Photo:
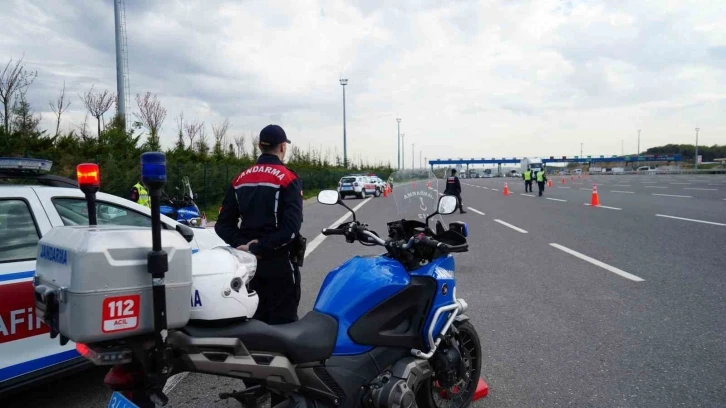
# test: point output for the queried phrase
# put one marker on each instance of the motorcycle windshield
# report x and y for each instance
(416, 193)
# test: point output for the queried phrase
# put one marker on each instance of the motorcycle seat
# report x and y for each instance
(309, 339)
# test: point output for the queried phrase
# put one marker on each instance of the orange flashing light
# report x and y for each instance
(88, 175)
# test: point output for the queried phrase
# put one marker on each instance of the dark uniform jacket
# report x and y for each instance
(268, 199)
(452, 185)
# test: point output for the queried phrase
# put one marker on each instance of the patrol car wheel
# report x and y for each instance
(362, 194)
(378, 192)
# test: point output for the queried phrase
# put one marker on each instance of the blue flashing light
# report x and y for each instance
(466, 230)
(24, 164)
(153, 167)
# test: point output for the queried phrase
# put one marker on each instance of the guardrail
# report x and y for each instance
(657, 172)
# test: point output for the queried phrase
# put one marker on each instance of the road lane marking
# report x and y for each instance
(319, 239)
(495, 189)
(622, 192)
(563, 187)
(586, 189)
(475, 210)
(681, 183)
(511, 226)
(691, 219)
(701, 189)
(621, 185)
(672, 195)
(604, 206)
(655, 187)
(556, 199)
(649, 182)
(487, 188)
(526, 195)
(595, 262)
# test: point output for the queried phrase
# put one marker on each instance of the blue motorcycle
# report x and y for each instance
(385, 331)
(183, 210)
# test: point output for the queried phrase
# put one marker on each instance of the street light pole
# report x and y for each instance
(638, 152)
(398, 146)
(695, 162)
(413, 158)
(344, 82)
(420, 159)
(581, 150)
(622, 147)
(403, 151)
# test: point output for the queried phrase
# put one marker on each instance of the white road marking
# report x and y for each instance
(622, 192)
(586, 189)
(690, 219)
(556, 199)
(486, 187)
(527, 195)
(511, 226)
(495, 189)
(681, 183)
(621, 185)
(702, 189)
(475, 210)
(605, 206)
(655, 187)
(319, 239)
(563, 187)
(173, 381)
(649, 182)
(672, 195)
(595, 262)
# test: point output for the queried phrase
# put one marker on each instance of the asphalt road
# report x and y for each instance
(620, 305)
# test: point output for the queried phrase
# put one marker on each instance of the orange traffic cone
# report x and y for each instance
(595, 201)
(204, 219)
(578, 177)
(549, 183)
(563, 180)
(428, 184)
(506, 190)
(385, 192)
(414, 184)
(572, 178)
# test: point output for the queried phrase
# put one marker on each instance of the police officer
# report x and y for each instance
(453, 187)
(527, 176)
(140, 196)
(541, 179)
(268, 199)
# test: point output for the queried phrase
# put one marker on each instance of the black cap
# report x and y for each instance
(273, 135)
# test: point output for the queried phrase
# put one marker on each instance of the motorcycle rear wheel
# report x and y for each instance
(430, 394)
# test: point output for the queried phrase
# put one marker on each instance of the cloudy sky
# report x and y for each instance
(468, 78)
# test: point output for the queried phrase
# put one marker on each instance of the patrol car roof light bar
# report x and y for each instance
(89, 179)
(153, 177)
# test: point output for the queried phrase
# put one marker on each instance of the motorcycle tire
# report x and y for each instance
(458, 396)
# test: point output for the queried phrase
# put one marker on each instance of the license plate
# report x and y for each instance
(119, 401)
(347, 188)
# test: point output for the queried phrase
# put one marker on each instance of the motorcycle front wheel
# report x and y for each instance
(459, 395)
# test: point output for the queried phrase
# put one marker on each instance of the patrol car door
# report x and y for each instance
(25, 346)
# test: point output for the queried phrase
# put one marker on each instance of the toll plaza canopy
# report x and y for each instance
(562, 159)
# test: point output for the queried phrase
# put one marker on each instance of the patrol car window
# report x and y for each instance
(18, 233)
(348, 180)
(73, 211)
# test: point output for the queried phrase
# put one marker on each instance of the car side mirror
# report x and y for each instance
(185, 232)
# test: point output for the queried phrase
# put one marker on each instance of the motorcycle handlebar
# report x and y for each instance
(332, 231)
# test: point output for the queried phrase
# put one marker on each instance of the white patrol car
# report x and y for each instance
(357, 185)
(380, 184)
(27, 212)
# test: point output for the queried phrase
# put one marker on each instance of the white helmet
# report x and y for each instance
(219, 284)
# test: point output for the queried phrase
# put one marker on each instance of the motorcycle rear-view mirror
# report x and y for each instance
(331, 197)
(447, 204)
(185, 232)
(328, 197)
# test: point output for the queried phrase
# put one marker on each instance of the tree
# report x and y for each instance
(151, 116)
(25, 122)
(14, 78)
(255, 147)
(192, 130)
(59, 107)
(202, 144)
(98, 104)
(239, 141)
(220, 137)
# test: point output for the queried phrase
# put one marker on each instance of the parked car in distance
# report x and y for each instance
(358, 186)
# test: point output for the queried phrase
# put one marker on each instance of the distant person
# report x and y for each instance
(541, 179)
(527, 177)
(453, 187)
(140, 196)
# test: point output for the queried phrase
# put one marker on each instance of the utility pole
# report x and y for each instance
(120, 86)
(403, 151)
(398, 145)
(695, 162)
(420, 160)
(622, 147)
(581, 150)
